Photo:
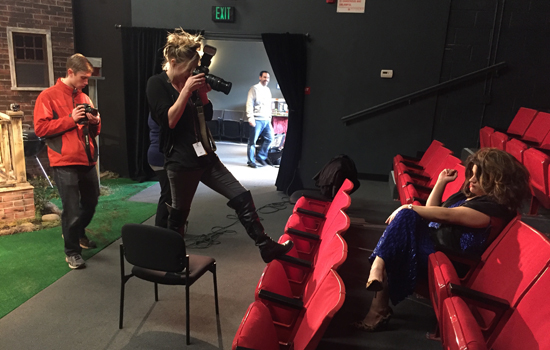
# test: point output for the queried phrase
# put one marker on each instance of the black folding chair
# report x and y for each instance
(158, 255)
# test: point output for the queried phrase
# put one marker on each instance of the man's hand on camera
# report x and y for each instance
(252, 122)
(94, 120)
(78, 113)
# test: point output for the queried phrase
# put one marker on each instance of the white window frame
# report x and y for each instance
(49, 55)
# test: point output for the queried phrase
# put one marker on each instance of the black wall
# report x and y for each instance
(425, 42)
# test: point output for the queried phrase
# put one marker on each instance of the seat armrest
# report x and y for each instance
(281, 299)
(409, 158)
(499, 306)
(422, 201)
(412, 165)
(310, 213)
(417, 176)
(303, 234)
(301, 263)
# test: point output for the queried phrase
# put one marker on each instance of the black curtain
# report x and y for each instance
(142, 58)
(287, 54)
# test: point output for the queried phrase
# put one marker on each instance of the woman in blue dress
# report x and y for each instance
(495, 186)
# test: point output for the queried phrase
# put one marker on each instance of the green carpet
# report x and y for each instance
(31, 261)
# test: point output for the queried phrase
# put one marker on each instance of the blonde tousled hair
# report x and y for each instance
(181, 46)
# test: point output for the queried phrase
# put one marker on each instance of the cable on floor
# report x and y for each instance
(208, 239)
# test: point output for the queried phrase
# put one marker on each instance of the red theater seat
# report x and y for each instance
(305, 204)
(516, 148)
(459, 330)
(485, 136)
(506, 270)
(256, 330)
(527, 327)
(521, 121)
(418, 163)
(537, 164)
(539, 128)
(499, 140)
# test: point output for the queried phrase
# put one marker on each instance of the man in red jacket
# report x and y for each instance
(65, 117)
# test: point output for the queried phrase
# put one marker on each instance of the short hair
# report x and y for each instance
(181, 46)
(500, 175)
(262, 72)
(79, 63)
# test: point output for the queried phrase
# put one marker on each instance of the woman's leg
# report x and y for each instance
(161, 219)
(183, 185)
(380, 312)
(222, 181)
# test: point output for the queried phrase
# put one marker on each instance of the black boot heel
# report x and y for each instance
(270, 250)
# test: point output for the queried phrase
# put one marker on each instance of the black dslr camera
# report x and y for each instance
(216, 83)
(87, 109)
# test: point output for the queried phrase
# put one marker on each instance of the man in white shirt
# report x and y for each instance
(258, 113)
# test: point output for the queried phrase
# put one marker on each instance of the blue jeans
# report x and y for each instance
(262, 128)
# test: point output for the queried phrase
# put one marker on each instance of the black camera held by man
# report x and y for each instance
(216, 83)
(87, 109)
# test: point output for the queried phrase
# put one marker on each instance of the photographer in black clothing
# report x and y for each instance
(179, 104)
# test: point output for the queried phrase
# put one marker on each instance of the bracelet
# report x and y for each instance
(410, 206)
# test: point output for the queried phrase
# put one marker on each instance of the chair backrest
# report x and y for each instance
(516, 148)
(256, 330)
(320, 310)
(539, 128)
(439, 156)
(499, 140)
(528, 326)
(512, 264)
(537, 164)
(218, 114)
(450, 162)
(293, 274)
(154, 248)
(456, 185)
(430, 152)
(332, 255)
(274, 279)
(459, 329)
(233, 115)
(338, 223)
(521, 121)
(485, 136)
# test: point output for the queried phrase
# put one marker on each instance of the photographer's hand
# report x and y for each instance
(94, 120)
(78, 113)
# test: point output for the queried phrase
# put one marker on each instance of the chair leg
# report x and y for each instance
(215, 288)
(121, 316)
(187, 327)
(122, 284)
(156, 292)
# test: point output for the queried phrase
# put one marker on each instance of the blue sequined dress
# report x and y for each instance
(406, 244)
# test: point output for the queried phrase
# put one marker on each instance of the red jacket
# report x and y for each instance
(53, 121)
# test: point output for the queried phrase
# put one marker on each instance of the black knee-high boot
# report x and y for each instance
(177, 219)
(246, 211)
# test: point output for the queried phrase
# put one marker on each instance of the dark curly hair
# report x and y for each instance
(500, 176)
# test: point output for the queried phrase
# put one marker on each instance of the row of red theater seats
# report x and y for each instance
(501, 303)
(416, 178)
(528, 140)
(297, 295)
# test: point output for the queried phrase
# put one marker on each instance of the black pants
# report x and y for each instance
(216, 176)
(78, 188)
(161, 219)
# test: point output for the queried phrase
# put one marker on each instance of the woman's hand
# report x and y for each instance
(195, 82)
(392, 216)
(447, 175)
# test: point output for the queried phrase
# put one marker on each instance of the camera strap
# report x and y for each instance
(86, 133)
(205, 136)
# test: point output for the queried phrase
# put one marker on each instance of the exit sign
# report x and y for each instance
(223, 14)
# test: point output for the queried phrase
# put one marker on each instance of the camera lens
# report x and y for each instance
(218, 84)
